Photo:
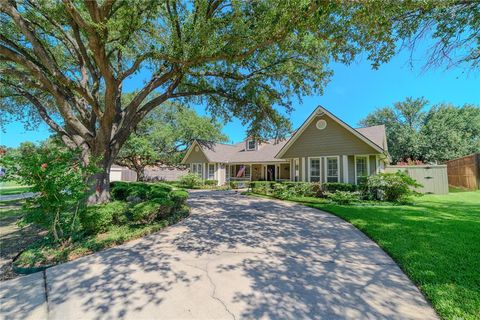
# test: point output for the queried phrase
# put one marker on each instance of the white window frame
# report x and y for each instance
(310, 169)
(254, 144)
(211, 165)
(195, 169)
(326, 168)
(367, 156)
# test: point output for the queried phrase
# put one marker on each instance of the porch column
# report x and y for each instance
(345, 168)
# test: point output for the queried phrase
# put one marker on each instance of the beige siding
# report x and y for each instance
(196, 157)
(333, 140)
(284, 171)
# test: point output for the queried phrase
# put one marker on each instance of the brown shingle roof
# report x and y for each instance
(376, 134)
(231, 153)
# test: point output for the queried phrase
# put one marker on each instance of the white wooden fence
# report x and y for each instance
(433, 177)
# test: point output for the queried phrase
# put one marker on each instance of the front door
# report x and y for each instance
(271, 172)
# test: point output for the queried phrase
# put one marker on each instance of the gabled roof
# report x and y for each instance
(364, 134)
(237, 153)
(272, 150)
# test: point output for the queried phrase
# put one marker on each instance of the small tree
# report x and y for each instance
(163, 136)
(57, 176)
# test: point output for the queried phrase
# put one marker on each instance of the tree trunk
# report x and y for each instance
(140, 174)
(100, 181)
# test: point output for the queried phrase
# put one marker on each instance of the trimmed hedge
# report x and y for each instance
(149, 211)
(179, 197)
(121, 190)
(98, 218)
(339, 186)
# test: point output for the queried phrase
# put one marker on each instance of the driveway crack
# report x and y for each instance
(214, 286)
(45, 288)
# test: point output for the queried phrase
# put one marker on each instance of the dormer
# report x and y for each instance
(251, 145)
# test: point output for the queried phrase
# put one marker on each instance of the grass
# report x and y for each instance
(45, 252)
(436, 241)
(12, 187)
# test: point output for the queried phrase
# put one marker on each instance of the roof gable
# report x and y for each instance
(337, 138)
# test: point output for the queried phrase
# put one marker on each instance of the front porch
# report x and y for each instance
(258, 171)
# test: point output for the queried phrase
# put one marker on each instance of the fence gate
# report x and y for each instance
(433, 178)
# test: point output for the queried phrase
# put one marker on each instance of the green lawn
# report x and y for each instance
(436, 241)
(11, 187)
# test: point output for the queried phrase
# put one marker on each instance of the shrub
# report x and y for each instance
(120, 190)
(159, 190)
(339, 186)
(211, 182)
(98, 218)
(343, 197)
(148, 211)
(302, 189)
(190, 180)
(57, 174)
(281, 191)
(394, 187)
(238, 184)
(262, 187)
(178, 197)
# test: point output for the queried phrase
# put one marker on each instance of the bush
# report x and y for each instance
(57, 175)
(339, 186)
(190, 180)
(238, 184)
(393, 187)
(120, 190)
(125, 191)
(98, 218)
(281, 191)
(262, 187)
(211, 182)
(343, 197)
(148, 211)
(178, 197)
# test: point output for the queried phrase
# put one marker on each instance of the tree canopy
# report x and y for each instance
(68, 62)
(163, 136)
(442, 133)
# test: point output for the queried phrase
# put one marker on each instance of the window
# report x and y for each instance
(315, 170)
(211, 171)
(361, 168)
(197, 168)
(332, 169)
(251, 145)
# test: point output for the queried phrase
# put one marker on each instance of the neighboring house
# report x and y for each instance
(323, 149)
(152, 173)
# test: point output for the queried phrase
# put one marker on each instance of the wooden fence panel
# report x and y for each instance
(464, 172)
(433, 178)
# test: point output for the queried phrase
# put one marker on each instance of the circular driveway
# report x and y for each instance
(238, 257)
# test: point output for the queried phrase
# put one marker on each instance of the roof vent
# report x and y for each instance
(321, 124)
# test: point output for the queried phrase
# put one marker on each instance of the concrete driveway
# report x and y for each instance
(235, 257)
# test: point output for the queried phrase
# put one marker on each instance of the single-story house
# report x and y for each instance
(323, 149)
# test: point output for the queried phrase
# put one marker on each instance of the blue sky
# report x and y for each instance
(352, 93)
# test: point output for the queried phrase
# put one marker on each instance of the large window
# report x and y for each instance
(315, 170)
(332, 169)
(197, 168)
(211, 171)
(361, 166)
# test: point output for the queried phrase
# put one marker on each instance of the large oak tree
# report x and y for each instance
(69, 62)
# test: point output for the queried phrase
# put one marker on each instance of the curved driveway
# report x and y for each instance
(235, 257)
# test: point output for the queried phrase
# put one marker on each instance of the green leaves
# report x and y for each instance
(442, 133)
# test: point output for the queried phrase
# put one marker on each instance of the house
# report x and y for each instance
(323, 149)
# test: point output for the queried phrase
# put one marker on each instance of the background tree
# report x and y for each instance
(163, 136)
(444, 132)
(66, 62)
(451, 132)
